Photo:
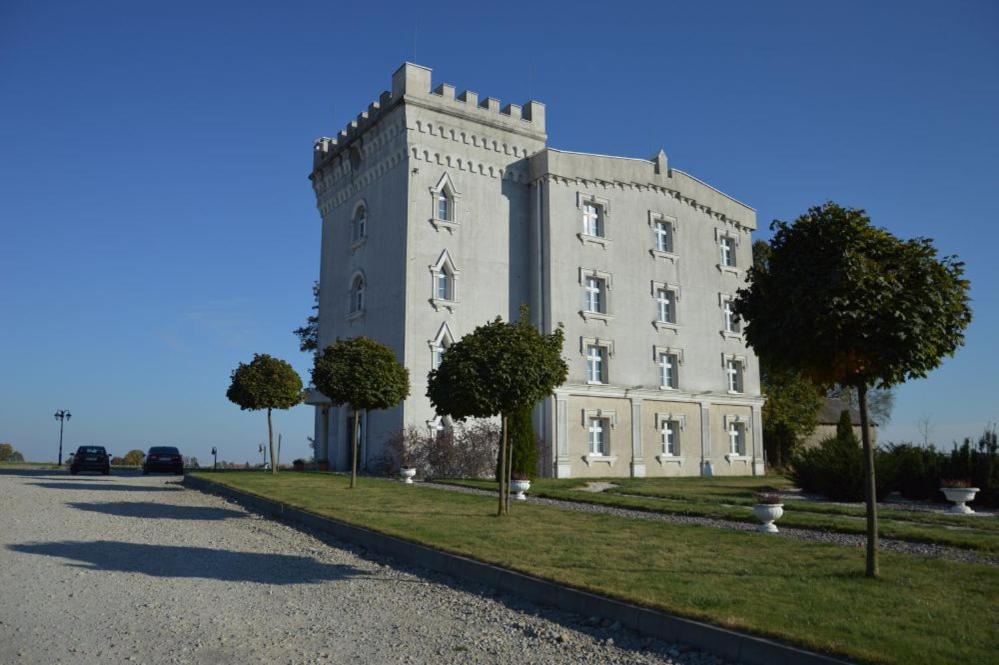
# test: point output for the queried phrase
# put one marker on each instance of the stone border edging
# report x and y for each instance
(722, 642)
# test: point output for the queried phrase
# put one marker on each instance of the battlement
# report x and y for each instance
(412, 83)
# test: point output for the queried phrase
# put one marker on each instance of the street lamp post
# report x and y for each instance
(62, 416)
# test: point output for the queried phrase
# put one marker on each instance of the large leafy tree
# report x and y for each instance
(844, 302)
(793, 402)
(308, 335)
(133, 458)
(265, 383)
(498, 369)
(363, 373)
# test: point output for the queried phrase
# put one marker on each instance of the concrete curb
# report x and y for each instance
(722, 642)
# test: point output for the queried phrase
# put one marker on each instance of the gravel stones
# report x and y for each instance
(137, 569)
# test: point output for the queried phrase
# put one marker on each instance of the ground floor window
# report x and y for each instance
(671, 438)
(598, 436)
(737, 438)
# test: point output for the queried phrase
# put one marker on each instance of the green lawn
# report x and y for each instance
(922, 610)
(731, 498)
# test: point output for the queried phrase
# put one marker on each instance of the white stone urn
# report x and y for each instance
(518, 487)
(407, 473)
(768, 513)
(960, 496)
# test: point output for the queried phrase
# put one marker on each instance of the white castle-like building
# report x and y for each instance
(442, 211)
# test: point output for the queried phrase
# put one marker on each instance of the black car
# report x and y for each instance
(90, 458)
(163, 458)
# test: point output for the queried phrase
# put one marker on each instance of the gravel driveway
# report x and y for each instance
(97, 569)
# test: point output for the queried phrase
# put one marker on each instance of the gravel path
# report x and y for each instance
(850, 540)
(121, 569)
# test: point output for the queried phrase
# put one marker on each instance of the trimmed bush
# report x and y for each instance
(523, 444)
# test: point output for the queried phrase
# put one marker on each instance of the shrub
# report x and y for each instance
(464, 451)
(523, 444)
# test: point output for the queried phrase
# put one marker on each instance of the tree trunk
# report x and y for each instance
(870, 488)
(502, 483)
(353, 461)
(270, 441)
(509, 472)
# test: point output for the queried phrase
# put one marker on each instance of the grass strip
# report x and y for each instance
(815, 595)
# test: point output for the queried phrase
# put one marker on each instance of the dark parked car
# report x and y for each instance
(90, 458)
(163, 458)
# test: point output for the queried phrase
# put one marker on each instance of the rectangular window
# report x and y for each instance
(443, 286)
(732, 324)
(733, 368)
(598, 436)
(665, 306)
(670, 434)
(668, 370)
(727, 245)
(443, 206)
(595, 300)
(596, 366)
(593, 220)
(736, 438)
(664, 236)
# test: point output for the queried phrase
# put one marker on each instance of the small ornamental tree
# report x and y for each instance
(498, 369)
(363, 373)
(844, 302)
(265, 383)
(523, 452)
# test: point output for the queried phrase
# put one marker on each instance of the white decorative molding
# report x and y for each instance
(610, 415)
(592, 459)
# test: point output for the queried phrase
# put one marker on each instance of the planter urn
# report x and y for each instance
(518, 488)
(960, 496)
(768, 513)
(407, 473)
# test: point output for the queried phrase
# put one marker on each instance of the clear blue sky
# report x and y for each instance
(158, 227)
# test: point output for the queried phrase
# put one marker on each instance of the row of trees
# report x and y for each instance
(500, 369)
(9, 454)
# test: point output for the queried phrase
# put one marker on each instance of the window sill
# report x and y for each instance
(733, 457)
(669, 459)
(439, 224)
(596, 383)
(666, 325)
(728, 334)
(735, 392)
(357, 244)
(659, 254)
(596, 316)
(591, 459)
(596, 240)
(730, 269)
(668, 389)
(440, 304)
(354, 316)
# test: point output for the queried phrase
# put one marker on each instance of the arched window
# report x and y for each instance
(359, 223)
(445, 209)
(357, 294)
(445, 282)
(439, 344)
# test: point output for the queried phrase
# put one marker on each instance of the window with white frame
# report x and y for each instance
(669, 370)
(665, 305)
(445, 207)
(597, 431)
(734, 369)
(596, 363)
(440, 427)
(357, 294)
(358, 227)
(595, 294)
(726, 245)
(593, 219)
(439, 344)
(732, 323)
(445, 282)
(736, 437)
(670, 432)
(445, 197)
(663, 232)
